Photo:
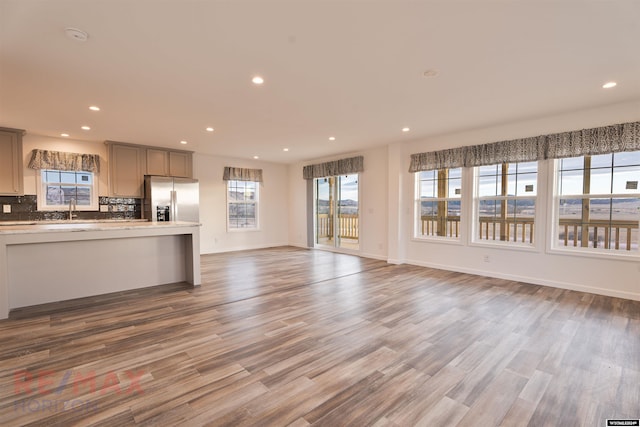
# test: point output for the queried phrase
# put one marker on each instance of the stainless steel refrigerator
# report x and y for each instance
(171, 199)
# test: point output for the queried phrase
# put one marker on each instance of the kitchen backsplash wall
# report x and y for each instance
(24, 208)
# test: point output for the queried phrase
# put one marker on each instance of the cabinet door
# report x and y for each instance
(180, 164)
(127, 175)
(157, 162)
(11, 168)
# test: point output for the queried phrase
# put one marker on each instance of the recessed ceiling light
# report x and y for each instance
(64, 134)
(257, 80)
(285, 149)
(183, 142)
(85, 128)
(76, 34)
(209, 129)
(332, 138)
(609, 85)
(94, 108)
(430, 73)
(405, 129)
(256, 157)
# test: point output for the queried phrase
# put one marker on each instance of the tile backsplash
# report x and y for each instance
(24, 208)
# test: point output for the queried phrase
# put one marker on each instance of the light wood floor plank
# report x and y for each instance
(287, 336)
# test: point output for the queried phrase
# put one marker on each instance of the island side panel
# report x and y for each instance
(4, 280)
(188, 254)
(192, 258)
(56, 271)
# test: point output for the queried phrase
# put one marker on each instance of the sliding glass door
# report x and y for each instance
(337, 212)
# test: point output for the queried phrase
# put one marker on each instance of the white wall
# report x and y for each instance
(374, 216)
(273, 205)
(297, 188)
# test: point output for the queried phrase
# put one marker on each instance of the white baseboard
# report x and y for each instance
(245, 248)
(295, 245)
(533, 280)
(345, 252)
(372, 256)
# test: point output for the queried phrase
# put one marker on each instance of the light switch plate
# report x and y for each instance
(6, 208)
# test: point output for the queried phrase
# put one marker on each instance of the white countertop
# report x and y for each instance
(28, 227)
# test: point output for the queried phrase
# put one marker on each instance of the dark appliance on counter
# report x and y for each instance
(163, 213)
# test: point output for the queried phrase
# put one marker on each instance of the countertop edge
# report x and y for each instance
(92, 226)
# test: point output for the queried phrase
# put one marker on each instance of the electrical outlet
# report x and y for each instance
(104, 208)
(486, 258)
(6, 208)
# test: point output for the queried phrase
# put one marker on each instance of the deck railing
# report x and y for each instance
(348, 226)
(429, 226)
(491, 228)
(510, 229)
(601, 233)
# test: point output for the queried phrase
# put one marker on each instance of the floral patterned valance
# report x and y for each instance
(607, 139)
(45, 159)
(242, 174)
(337, 167)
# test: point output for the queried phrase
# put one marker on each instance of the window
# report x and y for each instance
(598, 202)
(506, 202)
(56, 189)
(242, 205)
(437, 209)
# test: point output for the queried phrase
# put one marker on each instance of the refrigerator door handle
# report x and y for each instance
(174, 205)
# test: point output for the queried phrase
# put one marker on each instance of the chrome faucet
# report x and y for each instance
(72, 206)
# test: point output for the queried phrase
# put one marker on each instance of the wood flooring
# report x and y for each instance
(294, 337)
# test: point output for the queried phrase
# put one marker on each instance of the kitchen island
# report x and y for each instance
(47, 262)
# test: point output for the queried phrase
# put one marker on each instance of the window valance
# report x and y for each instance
(45, 159)
(242, 174)
(607, 139)
(337, 167)
(516, 150)
(451, 158)
(602, 140)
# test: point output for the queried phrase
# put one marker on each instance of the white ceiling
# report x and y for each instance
(162, 71)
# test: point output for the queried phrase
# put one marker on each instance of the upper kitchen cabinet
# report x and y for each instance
(169, 163)
(11, 162)
(181, 164)
(157, 162)
(126, 170)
